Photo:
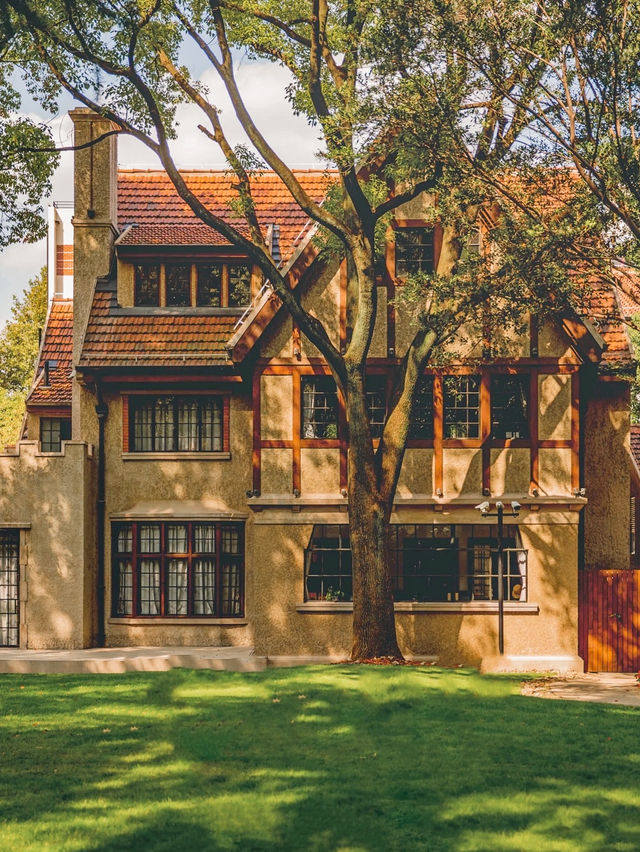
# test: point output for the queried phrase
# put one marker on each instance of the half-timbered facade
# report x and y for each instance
(182, 478)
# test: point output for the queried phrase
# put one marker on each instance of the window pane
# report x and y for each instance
(177, 587)
(147, 285)
(328, 564)
(188, 426)
(414, 250)
(510, 406)
(149, 587)
(231, 588)
(461, 406)
(177, 538)
(209, 285)
(125, 539)
(163, 433)
(142, 427)
(9, 588)
(376, 390)
(204, 538)
(204, 587)
(124, 597)
(178, 278)
(230, 540)
(319, 407)
(149, 538)
(239, 285)
(211, 426)
(422, 416)
(51, 434)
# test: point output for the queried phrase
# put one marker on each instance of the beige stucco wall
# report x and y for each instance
(554, 411)
(553, 342)
(554, 471)
(416, 476)
(276, 407)
(462, 472)
(454, 636)
(510, 470)
(322, 300)
(54, 496)
(125, 284)
(129, 482)
(320, 471)
(606, 476)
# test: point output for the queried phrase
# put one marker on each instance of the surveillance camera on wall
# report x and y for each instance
(515, 506)
(483, 507)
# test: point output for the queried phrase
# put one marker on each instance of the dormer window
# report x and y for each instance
(414, 251)
(215, 284)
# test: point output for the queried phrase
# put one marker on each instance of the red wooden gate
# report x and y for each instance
(609, 613)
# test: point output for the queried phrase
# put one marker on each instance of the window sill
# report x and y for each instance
(156, 621)
(478, 607)
(218, 456)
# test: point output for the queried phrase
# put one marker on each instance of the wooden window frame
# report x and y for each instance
(224, 263)
(129, 402)
(64, 426)
(135, 556)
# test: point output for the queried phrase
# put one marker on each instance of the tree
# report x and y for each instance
(402, 112)
(19, 344)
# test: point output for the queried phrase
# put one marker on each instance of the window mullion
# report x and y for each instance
(135, 603)
(163, 572)
(218, 555)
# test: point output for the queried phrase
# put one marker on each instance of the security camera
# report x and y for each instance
(499, 504)
(483, 507)
(515, 506)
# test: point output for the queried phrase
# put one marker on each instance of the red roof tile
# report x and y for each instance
(148, 198)
(603, 310)
(57, 346)
(116, 337)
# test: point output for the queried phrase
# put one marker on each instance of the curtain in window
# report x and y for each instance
(150, 587)
(143, 428)
(204, 587)
(176, 538)
(231, 589)
(125, 589)
(164, 425)
(211, 426)
(177, 603)
(149, 538)
(188, 426)
(205, 538)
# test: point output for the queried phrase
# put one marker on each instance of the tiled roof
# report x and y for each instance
(57, 346)
(171, 235)
(603, 310)
(117, 337)
(148, 198)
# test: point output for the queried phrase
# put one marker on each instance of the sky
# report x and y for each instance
(263, 88)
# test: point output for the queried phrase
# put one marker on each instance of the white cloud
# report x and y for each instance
(262, 85)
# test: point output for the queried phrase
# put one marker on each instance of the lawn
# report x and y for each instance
(320, 758)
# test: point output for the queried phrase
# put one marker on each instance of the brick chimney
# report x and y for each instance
(95, 212)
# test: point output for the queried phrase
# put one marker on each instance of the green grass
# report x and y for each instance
(321, 758)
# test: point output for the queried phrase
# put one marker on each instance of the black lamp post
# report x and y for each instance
(499, 514)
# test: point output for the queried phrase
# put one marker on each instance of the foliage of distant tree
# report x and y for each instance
(19, 342)
(401, 94)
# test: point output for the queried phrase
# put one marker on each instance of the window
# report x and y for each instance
(414, 251)
(421, 427)
(509, 406)
(429, 562)
(147, 284)
(376, 391)
(461, 406)
(217, 284)
(53, 431)
(319, 407)
(178, 283)
(178, 569)
(9, 588)
(176, 424)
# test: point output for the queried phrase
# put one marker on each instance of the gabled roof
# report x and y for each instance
(149, 201)
(117, 337)
(57, 346)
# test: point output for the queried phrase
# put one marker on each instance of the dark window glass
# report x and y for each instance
(414, 251)
(319, 407)
(147, 285)
(9, 588)
(461, 406)
(178, 282)
(421, 427)
(376, 390)
(53, 431)
(177, 569)
(427, 563)
(509, 406)
(209, 293)
(239, 285)
(176, 424)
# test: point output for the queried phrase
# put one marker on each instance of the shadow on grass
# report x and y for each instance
(351, 758)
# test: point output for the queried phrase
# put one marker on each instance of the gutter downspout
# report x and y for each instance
(102, 410)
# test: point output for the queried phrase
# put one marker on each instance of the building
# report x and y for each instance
(182, 475)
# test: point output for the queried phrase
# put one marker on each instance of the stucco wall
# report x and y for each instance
(606, 476)
(54, 496)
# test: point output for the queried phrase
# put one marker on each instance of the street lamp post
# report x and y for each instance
(499, 514)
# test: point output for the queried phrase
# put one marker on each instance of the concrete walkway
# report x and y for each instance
(601, 687)
(117, 660)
